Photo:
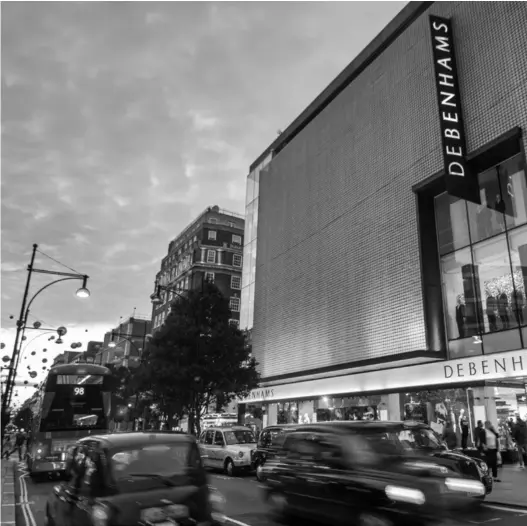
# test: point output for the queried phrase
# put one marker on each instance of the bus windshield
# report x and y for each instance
(74, 405)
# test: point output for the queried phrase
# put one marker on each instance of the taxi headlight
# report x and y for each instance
(100, 515)
(401, 494)
(240, 454)
(465, 486)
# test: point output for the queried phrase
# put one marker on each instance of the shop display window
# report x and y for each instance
(518, 251)
(483, 251)
(459, 293)
(287, 413)
(349, 408)
(437, 407)
(496, 284)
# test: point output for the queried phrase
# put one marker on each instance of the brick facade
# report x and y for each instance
(338, 274)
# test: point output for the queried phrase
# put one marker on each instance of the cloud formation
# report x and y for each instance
(122, 120)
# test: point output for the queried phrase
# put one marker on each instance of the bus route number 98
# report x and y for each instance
(78, 391)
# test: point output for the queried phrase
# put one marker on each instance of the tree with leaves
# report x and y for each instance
(196, 360)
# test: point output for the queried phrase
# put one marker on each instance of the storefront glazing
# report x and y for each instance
(483, 251)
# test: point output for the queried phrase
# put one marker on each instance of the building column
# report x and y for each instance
(485, 405)
(220, 257)
(203, 254)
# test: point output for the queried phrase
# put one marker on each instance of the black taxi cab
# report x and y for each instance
(135, 479)
(365, 472)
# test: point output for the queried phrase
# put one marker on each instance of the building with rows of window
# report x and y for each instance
(386, 231)
(209, 249)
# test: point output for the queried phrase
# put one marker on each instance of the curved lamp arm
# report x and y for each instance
(43, 289)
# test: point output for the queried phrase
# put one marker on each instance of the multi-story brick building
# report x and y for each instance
(385, 285)
(123, 345)
(210, 248)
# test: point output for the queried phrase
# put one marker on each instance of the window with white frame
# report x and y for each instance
(212, 234)
(209, 276)
(234, 323)
(236, 282)
(236, 240)
(211, 256)
(234, 304)
(236, 260)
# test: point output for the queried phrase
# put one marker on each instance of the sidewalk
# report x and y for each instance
(8, 492)
(512, 490)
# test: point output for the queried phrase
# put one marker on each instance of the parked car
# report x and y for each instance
(135, 478)
(366, 470)
(230, 449)
(270, 441)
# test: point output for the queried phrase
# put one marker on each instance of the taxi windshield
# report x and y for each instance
(418, 438)
(151, 461)
(239, 436)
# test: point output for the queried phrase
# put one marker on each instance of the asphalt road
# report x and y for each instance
(244, 506)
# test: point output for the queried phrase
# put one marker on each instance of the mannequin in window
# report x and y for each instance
(460, 317)
(500, 207)
(484, 219)
(503, 310)
(518, 304)
(492, 309)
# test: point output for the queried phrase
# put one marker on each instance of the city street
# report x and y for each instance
(244, 503)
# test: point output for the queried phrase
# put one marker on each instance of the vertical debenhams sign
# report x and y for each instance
(459, 181)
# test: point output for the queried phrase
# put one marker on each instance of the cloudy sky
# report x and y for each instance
(122, 121)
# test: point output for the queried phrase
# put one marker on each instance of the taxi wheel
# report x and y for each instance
(229, 467)
(367, 518)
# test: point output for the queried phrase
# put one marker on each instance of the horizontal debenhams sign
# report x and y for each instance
(489, 367)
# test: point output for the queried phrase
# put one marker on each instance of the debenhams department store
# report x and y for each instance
(386, 233)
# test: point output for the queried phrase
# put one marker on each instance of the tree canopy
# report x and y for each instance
(196, 360)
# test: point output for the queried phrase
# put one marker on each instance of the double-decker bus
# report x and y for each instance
(75, 401)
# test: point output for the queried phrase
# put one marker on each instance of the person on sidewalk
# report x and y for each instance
(519, 433)
(479, 436)
(449, 436)
(490, 447)
(7, 446)
(20, 440)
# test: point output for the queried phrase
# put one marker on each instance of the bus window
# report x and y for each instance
(74, 407)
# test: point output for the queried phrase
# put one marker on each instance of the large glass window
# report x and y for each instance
(518, 251)
(483, 250)
(452, 223)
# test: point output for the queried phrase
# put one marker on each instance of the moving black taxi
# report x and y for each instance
(364, 472)
(270, 441)
(130, 479)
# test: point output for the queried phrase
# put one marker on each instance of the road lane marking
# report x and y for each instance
(521, 511)
(239, 523)
(24, 502)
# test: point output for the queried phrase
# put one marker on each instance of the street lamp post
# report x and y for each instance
(21, 323)
(129, 338)
(156, 296)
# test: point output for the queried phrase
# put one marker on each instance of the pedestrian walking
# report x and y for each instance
(449, 436)
(519, 433)
(490, 447)
(7, 445)
(20, 440)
